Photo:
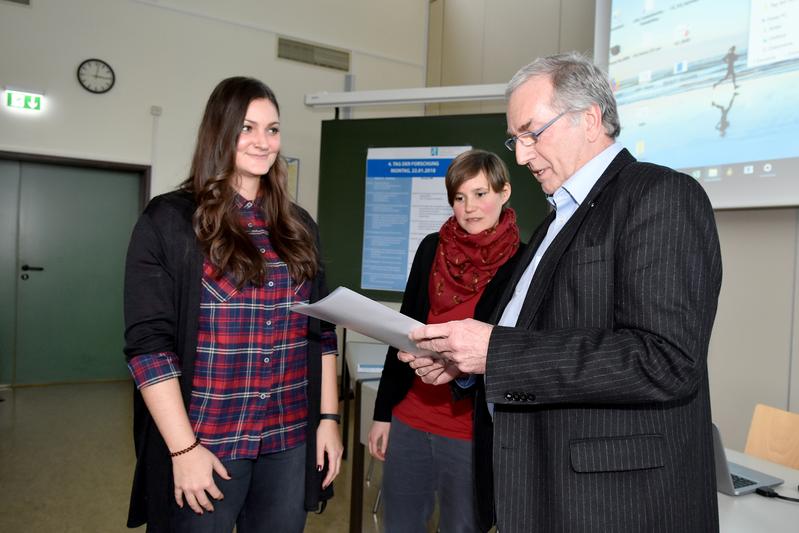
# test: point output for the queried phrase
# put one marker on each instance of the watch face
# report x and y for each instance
(96, 76)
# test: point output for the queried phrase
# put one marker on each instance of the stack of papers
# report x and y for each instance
(358, 313)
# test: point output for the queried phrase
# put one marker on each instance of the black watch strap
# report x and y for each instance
(330, 416)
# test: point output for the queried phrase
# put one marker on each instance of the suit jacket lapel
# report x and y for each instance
(542, 279)
(524, 260)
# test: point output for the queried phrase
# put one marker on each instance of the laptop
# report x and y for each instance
(734, 479)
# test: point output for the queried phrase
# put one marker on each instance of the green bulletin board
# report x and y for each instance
(342, 170)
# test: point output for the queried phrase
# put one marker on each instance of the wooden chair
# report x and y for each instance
(774, 436)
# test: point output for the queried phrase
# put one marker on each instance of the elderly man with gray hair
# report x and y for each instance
(597, 364)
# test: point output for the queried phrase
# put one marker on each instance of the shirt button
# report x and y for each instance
(249, 224)
(271, 284)
(268, 322)
(248, 204)
(262, 396)
(266, 359)
(263, 250)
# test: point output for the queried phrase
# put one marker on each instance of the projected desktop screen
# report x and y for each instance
(711, 87)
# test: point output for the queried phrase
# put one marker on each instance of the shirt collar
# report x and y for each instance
(580, 184)
(245, 205)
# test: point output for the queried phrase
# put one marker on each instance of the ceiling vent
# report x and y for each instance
(313, 54)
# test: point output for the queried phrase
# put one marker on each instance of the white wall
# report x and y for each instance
(753, 351)
(171, 53)
(487, 41)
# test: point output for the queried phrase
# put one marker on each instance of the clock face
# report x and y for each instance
(96, 76)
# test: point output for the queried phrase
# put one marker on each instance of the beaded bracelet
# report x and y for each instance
(186, 450)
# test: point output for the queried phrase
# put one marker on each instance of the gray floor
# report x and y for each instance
(66, 460)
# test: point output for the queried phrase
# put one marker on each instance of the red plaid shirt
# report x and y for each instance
(249, 391)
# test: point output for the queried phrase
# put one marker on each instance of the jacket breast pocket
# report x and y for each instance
(583, 288)
(617, 454)
(583, 256)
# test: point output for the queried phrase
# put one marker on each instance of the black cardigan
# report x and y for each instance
(397, 376)
(163, 274)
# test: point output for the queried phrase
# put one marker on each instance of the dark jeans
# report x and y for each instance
(263, 495)
(420, 465)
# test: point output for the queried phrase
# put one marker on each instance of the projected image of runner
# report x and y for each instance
(712, 87)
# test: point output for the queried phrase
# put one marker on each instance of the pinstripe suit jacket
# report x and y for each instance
(602, 411)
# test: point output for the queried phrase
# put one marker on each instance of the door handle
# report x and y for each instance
(26, 268)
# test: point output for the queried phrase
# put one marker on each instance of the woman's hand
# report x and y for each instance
(328, 442)
(194, 480)
(378, 439)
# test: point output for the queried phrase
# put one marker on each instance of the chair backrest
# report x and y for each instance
(774, 436)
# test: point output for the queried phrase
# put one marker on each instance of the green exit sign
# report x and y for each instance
(21, 100)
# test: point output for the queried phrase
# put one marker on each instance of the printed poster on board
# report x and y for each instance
(405, 200)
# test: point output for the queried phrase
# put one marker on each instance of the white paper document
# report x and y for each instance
(349, 309)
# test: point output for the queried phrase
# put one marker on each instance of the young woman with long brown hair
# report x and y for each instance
(236, 395)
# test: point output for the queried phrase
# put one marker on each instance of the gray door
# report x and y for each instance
(9, 203)
(73, 229)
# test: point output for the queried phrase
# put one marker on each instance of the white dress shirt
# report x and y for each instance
(565, 200)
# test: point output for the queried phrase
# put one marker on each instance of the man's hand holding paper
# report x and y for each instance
(438, 352)
(463, 343)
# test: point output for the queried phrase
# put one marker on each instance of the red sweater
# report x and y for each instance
(430, 408)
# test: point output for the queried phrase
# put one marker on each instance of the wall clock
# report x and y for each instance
(96, 76)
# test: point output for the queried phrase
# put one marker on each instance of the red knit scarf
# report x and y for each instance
(465, 263)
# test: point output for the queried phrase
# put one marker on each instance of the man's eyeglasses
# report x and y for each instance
(529, 138)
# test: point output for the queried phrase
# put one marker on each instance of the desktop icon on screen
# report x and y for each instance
(680, 67)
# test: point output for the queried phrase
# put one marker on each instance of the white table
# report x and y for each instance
(368, 397)
(753, 513)
(365, 393)
(365, 353)
(357, 353)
